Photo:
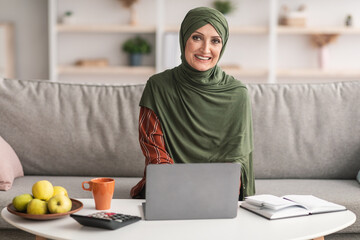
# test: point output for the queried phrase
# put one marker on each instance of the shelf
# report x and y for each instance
(317, 30)
(172, 29)
(107, 70)
(353, 73)
(245, 72)
(112, 28)
(233, 30)
(249, 30)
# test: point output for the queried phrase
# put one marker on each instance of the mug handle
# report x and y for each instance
(83, 186)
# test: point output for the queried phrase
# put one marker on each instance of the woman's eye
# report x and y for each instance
(216, 41)
(196, 38)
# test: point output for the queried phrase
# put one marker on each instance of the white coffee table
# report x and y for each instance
(245, 226)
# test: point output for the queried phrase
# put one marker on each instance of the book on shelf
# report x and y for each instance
(273, 207)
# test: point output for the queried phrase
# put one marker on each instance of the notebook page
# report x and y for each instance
(269, 201)
(314, 204)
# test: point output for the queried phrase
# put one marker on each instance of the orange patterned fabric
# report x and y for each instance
(152, 144)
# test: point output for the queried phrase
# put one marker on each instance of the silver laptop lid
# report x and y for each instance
(192, 191)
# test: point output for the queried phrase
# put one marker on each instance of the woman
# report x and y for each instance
(196, 113)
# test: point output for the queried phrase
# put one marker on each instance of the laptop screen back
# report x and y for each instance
(192, 191)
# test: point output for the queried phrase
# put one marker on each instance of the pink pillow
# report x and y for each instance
(10, 166)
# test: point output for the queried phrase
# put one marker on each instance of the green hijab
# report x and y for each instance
(205, 115)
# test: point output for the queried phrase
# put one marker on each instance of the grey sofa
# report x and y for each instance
(307, 139)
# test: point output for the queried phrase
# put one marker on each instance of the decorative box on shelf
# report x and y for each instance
(296, 18)
(101, 62)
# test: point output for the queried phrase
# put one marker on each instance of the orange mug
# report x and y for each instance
(102, 190)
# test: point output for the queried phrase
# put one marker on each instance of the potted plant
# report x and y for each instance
(224, 6)
(136, 47)
(68, 17)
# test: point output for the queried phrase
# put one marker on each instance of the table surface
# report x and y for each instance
(245, 226)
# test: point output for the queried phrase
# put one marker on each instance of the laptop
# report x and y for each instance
(192, 191)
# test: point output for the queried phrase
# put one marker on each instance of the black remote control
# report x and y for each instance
(107, 220)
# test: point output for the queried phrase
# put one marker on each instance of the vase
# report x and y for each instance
(68, 20)
(135, 59)
(323, 57)
(133, 16)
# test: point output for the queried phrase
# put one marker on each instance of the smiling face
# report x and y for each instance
(202, 49)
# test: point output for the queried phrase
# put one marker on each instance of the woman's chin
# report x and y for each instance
(202, 68)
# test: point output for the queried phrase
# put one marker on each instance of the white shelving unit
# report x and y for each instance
(318, 30)
(92, 30)
(308, 73)
(270, 31)
(106, 70)
(61, 28)
(316, 72)
(233, 30)
(159, 30)
(102, 28)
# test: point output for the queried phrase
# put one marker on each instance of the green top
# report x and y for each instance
(205, 115)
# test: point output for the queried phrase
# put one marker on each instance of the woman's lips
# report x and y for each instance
(202, 57)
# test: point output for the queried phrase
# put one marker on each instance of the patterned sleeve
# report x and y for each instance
(152, 144)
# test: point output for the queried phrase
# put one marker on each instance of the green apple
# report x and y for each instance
(20, 202)
(59, 204)
(43, 190)
(37, 207)
(60, 190)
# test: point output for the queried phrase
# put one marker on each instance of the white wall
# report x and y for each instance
(31, 42)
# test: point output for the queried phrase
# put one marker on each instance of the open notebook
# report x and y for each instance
(273, 207)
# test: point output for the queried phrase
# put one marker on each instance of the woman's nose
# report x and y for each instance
(206, 47)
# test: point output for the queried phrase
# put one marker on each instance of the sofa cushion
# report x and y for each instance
(306, 130)
(311, 130)
(72, 129)
(10, 165)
